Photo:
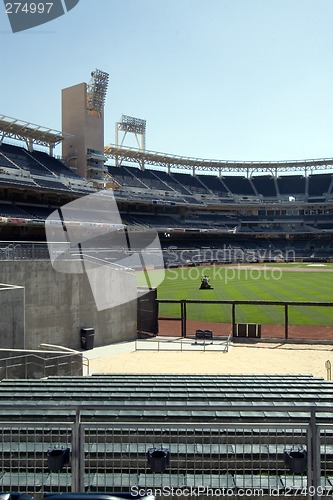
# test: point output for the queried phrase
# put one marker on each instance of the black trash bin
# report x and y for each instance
(296, 460)
(87, 338)
(57, 458)
(158, 459)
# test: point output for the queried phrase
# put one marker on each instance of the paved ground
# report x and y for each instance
(260, 358)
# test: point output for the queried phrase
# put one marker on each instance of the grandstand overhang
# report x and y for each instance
(30, 133)
(170, 162)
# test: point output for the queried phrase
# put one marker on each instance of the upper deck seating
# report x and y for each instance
(238, 185)
(291, 184)
(191, 183)
(264, 185)
(213, 184)
(319, 184)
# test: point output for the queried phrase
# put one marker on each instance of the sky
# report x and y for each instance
(247, 80)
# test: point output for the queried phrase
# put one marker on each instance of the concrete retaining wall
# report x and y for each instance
(58, 305)
(12, 317)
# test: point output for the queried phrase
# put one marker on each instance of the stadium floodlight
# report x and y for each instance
(96, 90)
(132, 125)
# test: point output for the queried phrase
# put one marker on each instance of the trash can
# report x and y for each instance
(57, 458)
(87, 338)
(296, 460)
(158, 459)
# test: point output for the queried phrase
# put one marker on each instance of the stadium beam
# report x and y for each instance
(168, 161)
(136, 126)
(30, 133)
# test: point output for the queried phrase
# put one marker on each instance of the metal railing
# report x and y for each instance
(180, 344)
(235, 305)
(33, 365)
(215, 456)
(21, 250)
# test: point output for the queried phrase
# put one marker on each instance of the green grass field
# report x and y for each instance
(279, 282)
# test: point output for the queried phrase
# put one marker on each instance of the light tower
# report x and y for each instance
(83, 121)
(136, 126)
(96, 91)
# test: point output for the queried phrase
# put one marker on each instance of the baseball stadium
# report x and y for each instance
(168, 320)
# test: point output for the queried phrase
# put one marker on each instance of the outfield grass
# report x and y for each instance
(270, 283)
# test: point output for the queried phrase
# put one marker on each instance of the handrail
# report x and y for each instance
(26, 360)
(254, 302)
(87, 364)
(224, 342)
(101, 261)
(285, 304)
(328, 367)
(311, 409)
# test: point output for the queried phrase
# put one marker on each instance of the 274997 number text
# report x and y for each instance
(28, 8)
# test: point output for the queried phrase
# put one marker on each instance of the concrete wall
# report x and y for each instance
(58, 305)
(11, 317)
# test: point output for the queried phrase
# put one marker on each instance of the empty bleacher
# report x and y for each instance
(37, 163)
(22, 159)
(211, 220)
(169, 398)
(10, 180)
(38, 212)
(5, 162)
(238, 185)
(190, 183)
(54, 165)
(14, 211)
(150, 220)
(319, 184)
(213, 184)
(291, 184)
(219, 430)
(148, 178)
(125, 177)
(52, 184)
(264, 185)
(8, 149)
(171, 182)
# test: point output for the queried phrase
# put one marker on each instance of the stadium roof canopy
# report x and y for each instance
(14, 128)
(144, 157)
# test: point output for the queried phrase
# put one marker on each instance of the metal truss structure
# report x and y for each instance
(30, 133)
(136, 126)
(174, 162)
(96, 91)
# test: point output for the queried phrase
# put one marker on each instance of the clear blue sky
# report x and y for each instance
(221, 79)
